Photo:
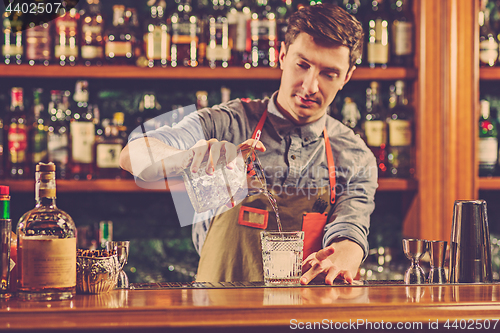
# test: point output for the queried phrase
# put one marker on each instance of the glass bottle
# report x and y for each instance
(351, 6)
(119, 40)
(58, 135)
(218, 49)
(377, 48)
(92, 27)
(39, 44)
(374, 126)
(263, 37)
(283, 12)
(46, 238)
(488, 43)
(351, 116)
(184, 43)
(132, 24)
(17, 137)
(6, 276)
(488, 141)
(38, 130)
(402, 34)
(157, 37)
(400, 150)
(237, 18)
(82, 131)
(66, 42)
(13, 43)
(203, 10)
(107, 150)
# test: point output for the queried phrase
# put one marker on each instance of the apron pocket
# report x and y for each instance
(253, 217)
(313, 225)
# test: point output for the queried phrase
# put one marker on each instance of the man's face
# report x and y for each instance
(312, 76)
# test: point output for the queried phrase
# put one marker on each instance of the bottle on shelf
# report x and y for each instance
(58, 135)
(82, 132)
(351, 116)
(400, 150)
(119, 40)
(218, 49)
(402, 34)
(374, 127)
(38, 131)
(263, 37)
(184, 42)
(13, 43)
(488, 141)
(351, 6)
(46, 238)
(377, 32)
(132, 23)
(92, 31)
(202, 10)
(107, 148)
(66, 43)
(488, 42)
(39, 44)
(237, 18)
(7, 278)
(157, 37)
(17, 137)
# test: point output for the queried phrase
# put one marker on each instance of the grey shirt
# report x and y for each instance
(295, 157)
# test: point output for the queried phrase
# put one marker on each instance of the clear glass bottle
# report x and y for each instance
(157, 37)
(82, 131)
(66, 43)
(58, 135)
(17, 137)
(488, 141)
(39, 44)
(263, 35)
(351, 117)
(107, 150)
(119, 40)
(402, 25)
(488, 42)
(377, 32)
(218, 49)
(237, 17)
(184, 43)
(92, 30)
(13, 43)
(400, 149)
(374, 126)
(38, 131)
(46, 240)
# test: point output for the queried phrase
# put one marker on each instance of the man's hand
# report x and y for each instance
(339, 260)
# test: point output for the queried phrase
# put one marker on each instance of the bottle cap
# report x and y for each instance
(4, 190)
(49, 167)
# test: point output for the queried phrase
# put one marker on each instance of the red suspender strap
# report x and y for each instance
(331, 166)
(260, 124)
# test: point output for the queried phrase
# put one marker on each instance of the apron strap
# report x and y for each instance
(260, 124)
(331, 166)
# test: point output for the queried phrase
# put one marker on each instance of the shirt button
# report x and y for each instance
(293, 157)
(306, 139)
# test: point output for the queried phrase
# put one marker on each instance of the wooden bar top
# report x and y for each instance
(366, 308)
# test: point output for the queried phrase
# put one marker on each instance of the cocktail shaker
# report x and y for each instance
(470, 251)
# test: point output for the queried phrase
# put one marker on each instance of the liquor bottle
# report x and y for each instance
(6, 278)
(58, 135)
(13, 44)
(203, 10)
(283, 10)
(39, 44)
(132, 24)
(351, 6)
(400, 149)
(66, 37)
(119, 40)
(351, 117)
(107, 150)
(237, 18)
(92, 27)
(488, 43)
(38, 130)
(157, 37)
(17, 137)
(402, 34)
(184, 43)
(377, 31)
(488, 141)
(82, 131)
(263, 36)
(46, 238)
(374, 126)
(218, 49)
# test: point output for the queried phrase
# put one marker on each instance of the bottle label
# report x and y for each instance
(12, 49)
(92, 52)
(82, 139)
(488, 52)
(184, 33)
(399, 133)
(218, 52)
(17, 142)
(402, 36)
(58, 147)
(39, 146)
(108, 155)
(157, 43)
(118, 49)
(48, 262)
(238, 22)
(66, 50)
(375, 133)
(38, 43)
(92, 29)
(378, 43)
(488, 151)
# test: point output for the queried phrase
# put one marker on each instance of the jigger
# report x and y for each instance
(437, 251)
(414, 249)
(470, 252)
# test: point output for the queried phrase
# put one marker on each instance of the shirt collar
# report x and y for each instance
(309, 132)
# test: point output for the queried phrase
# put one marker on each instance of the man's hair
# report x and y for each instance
(329, 25)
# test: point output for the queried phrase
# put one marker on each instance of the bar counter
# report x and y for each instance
(365, 308)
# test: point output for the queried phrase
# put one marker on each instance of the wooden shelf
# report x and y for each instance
(205, 73)
(489, 183)
(489, 73)
(130, 186)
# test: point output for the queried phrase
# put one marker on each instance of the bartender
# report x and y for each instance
(323, 175)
